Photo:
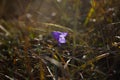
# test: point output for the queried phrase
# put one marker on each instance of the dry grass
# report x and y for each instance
(28, 51)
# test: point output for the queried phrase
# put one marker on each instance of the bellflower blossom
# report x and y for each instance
(59, 36)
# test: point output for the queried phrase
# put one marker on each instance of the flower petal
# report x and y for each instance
(62, 39)
(59, 36)
(56, 34)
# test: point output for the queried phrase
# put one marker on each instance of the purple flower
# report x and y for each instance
(60, 36)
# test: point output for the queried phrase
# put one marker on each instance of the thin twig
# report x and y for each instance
(66, 64)
(7, 33)
(50, 73)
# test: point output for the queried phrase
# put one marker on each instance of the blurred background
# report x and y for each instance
(29, 52)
